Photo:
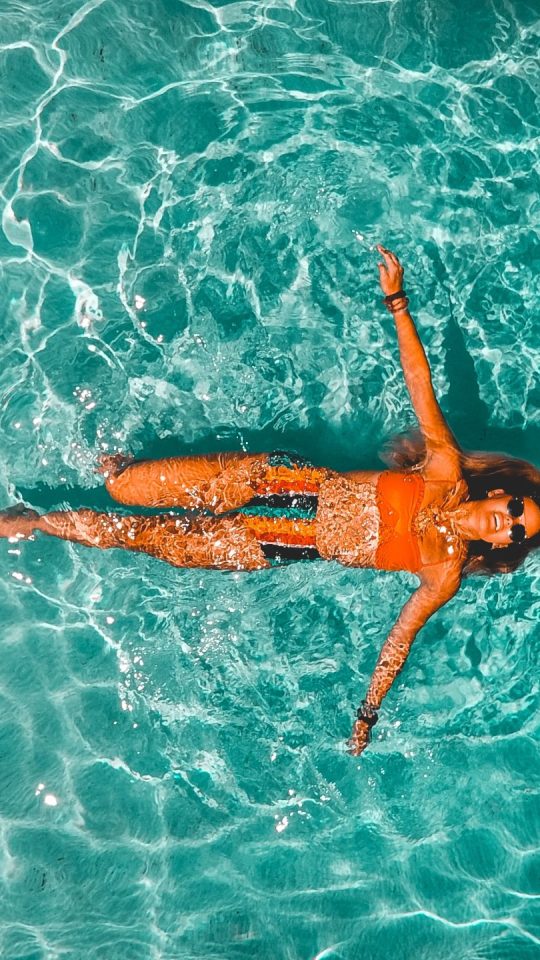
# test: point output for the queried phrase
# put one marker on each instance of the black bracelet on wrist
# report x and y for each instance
(393, 296)
(367, 713)
(398, 305)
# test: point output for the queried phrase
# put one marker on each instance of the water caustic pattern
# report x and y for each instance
(190, 194)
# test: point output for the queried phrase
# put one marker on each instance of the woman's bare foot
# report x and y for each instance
(112, 464)
(18, 521)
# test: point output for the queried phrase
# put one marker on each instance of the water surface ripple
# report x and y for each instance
(190, 193)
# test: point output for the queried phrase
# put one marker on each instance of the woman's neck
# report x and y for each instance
(462, 520)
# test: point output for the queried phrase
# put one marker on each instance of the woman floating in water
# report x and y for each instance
(449, 515)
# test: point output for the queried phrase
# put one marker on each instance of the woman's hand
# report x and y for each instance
(360, 738)
(390, 272)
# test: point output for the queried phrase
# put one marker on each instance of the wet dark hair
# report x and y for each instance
(482, 472)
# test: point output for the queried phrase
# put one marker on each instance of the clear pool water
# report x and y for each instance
(190, 194)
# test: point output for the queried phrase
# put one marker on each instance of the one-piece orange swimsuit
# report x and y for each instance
(282, 514)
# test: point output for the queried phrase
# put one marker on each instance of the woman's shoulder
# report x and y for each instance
(443, 577)
(440, 544)
(445, 493)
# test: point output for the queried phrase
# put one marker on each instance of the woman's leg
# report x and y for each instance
(219, 482)
(222, 543)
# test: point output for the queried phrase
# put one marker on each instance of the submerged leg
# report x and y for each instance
(218, 482)
(221, 543)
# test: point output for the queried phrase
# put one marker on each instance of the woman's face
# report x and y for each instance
(494, 522)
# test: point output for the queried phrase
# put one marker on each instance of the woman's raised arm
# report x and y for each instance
(442, 446)
(436, 588)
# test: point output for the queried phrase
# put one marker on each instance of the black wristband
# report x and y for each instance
(367, 714)
(393, 296)
(398, 305)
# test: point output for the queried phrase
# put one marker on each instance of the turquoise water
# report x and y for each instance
(190, 194)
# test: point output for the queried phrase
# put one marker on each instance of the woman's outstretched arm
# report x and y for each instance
(441, 444)
(435, 590)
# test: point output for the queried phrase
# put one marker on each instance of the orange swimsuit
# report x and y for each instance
(282, 514)
(399, 496)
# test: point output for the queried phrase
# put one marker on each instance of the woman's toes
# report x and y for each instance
(111, 464)
(17, 521)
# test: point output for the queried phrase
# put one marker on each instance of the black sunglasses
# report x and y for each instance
(515, 509)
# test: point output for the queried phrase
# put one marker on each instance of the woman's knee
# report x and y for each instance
(219, 482)
(235, 483)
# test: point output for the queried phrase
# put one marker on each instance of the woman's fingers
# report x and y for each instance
(390, 271)
(359, 739)
(389, 257)
(388, 263)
